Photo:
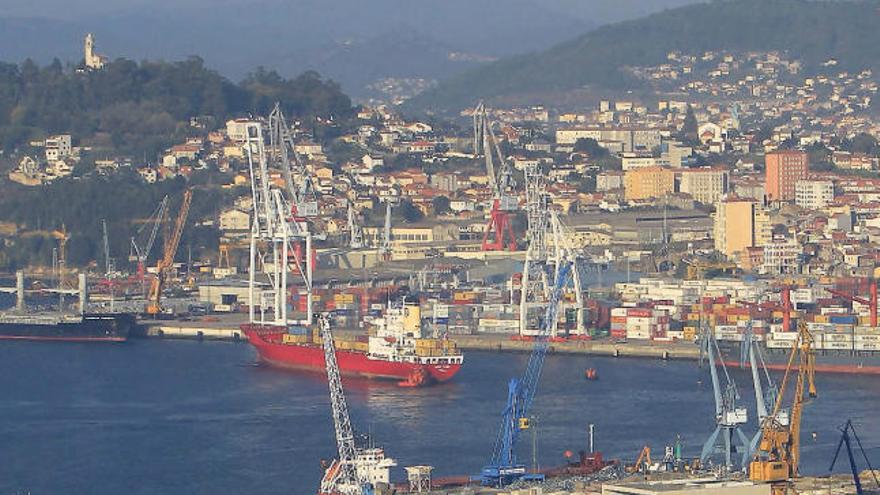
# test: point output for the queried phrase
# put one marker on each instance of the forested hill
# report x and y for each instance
(812, 31)
(142, 108)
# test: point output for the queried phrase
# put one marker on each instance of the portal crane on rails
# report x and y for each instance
(163, 267)
(498, 235)
(729, 418)
(140, 252)
(504, 468)
(778, 456)
(765, 393)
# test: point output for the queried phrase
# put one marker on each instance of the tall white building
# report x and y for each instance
(813, 194)
(781, 256)
(58, 147)
(706, 185)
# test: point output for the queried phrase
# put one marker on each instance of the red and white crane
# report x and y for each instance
(498, 234)
(871, 302)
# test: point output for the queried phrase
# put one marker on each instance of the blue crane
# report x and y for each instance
(504, 467)
(845, 440)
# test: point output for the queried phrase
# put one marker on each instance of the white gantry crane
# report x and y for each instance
(498, 234)
(355, 232)
(550, 247)
(277, 237)
(355, 471)
(729, 418)
(300, 184)
(140, 251)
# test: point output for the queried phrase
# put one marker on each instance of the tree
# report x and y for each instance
(441, 205)
(409, 212)
(591, 147)
(690, 128)
(864, 143)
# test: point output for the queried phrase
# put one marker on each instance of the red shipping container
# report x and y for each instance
(639, 312)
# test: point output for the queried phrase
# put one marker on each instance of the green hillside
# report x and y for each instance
(812, 31)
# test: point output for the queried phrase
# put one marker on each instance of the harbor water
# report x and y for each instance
(180, 417)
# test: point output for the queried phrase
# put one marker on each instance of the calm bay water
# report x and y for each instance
(167, 417)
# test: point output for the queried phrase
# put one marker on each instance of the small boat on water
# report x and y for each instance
(591, 374)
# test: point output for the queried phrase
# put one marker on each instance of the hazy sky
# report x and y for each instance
(606, 10)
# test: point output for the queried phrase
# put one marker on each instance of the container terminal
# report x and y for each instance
(391, 303)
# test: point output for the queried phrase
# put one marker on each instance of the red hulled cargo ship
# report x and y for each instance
(394, 350)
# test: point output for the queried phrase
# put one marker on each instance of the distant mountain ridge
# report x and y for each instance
(812, 31)
(351, 41)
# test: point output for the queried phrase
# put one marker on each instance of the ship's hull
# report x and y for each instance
(91, 328)
(310, 357)
(854, 362)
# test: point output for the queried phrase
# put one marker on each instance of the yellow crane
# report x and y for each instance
(778, 455)
(643, 463)
(163, 267)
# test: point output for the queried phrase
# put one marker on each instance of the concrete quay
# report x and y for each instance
(650, 350)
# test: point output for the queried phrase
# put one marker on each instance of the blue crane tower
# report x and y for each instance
(504, 468)
(728, 416)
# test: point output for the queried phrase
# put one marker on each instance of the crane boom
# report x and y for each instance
(778, 455)
(342, 476)
(164, 265)
(503, 467)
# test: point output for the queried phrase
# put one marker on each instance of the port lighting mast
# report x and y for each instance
(498, 235)
(504, 467)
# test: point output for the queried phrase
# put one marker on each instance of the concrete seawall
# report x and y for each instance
(201, 330)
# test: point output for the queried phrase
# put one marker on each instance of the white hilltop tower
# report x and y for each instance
(93, 61)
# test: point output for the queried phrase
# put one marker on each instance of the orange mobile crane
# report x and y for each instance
(778, 456)
(172, 240)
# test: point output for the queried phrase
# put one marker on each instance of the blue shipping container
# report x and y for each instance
(297, 330)
(843, 320)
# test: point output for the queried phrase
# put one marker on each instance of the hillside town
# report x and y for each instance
(710, 215)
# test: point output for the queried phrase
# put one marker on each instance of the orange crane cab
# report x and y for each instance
(172, 240)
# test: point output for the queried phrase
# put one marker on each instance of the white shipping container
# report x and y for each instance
(867, 346)
(784, 335)
(778, 344)
(828, 346)
(867, 338)
(835, 337)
